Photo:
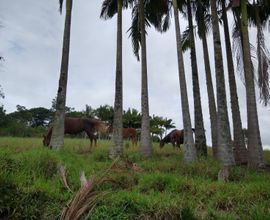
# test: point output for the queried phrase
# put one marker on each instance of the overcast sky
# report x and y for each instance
(31, 43)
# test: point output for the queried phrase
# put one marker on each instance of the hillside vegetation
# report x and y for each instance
(166, 188)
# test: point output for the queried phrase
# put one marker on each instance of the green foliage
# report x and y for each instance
(30, 187)
(34, 122)
(105, 113)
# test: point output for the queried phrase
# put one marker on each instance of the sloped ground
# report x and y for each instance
(165, 188)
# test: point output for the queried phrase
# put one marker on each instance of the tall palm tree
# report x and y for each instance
(239, 143)
(202, 17)
(145, 13)
(190, 150)
(255, 152)
(158, 14)
(259, 16)
(225, 153)
(109, 9)
(57, 139)
(145, 142)
(200, 140)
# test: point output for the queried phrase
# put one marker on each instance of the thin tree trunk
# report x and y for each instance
(255, 151)
(211, 96)
(200, 140)
(57, 139)
(146, 144)
(240, 152)
(190, 150)
(225, 153)
(117, 138)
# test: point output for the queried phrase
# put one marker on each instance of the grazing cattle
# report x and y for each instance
(130, 134)
(176, 137)
(78, 125)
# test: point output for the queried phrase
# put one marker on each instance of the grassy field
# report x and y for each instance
(30, 187)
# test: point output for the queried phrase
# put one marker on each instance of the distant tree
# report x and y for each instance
(105, 113)
(132, 118)
(89, 112)
(75, 114)
(57, 139)
(2, 115)
(156, 126)
(168, 124)
(2, 110)
(67, 109)
(22, 115)
(40, 116)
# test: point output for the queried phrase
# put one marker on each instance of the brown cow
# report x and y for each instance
(176, 137)
(128, 133)
(77, 125)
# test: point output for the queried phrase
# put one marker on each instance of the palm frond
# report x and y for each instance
(135, 32)
(157, 13)
(263, 66)
(108, 9)
(61, 6)
(185, 40)
(203, 17)
(238, 52)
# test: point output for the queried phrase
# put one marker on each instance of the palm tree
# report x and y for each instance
(200, 140)
(158, 14)
(203, 20)
(201, 15)
(259, 16)
(144, 14)
(255, 152)
(109, 9)
(239, 143)
(57, 139)
(190, 150)
(225, 153)
(145, 142)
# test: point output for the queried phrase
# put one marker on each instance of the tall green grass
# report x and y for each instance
(30, 187)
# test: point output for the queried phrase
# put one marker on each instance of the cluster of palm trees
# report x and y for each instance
(204, 16)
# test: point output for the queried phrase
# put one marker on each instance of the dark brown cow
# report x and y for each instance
(176, 137)
(78, 125)
(130, 134)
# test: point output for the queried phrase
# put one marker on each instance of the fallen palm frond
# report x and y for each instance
(87, 196)
(62, 173)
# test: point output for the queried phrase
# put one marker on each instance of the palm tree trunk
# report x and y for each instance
(146, 144)
(117, 138)
(239, 143)
(211, 95)
(57, 139)
(190, 150)
(255, 151)
(225, 153)
(200, 140)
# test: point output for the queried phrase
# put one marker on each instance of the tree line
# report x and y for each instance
(34, 122)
